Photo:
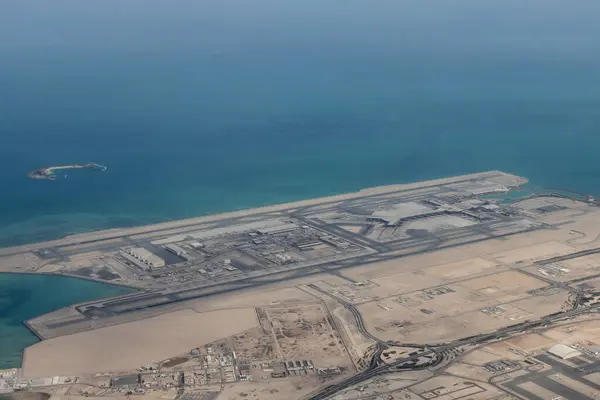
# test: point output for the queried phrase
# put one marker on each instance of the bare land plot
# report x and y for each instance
(293, 332)
(409, 263)
(255, 344)
(20, 263)
(380, 386)
(271, 389)
(504, 286)
(478, 257)
(307, 332)
(531, 344)
(405, 282)
(460, 309)
(452, 387)
(588, 331)
(489, 248)
(127, 346)
(569, 269)
(533, 253)
(462, 269)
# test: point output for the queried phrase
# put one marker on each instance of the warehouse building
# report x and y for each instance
(143, 258)
(563, 352)
(178, 251)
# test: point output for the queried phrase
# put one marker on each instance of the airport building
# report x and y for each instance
(143, 258)
(397, 212)
(178, 251)
(175, 249)
(563, 352)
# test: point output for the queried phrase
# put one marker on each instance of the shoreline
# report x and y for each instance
(113, 233)
(144, 302)
(175, 227)
(26, 322)
(73, 276)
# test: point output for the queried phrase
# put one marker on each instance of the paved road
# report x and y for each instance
(357, 316)
(477, 339)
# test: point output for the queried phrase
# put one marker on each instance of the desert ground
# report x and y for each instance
(129, 346)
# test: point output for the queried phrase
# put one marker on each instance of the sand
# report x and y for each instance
(128, 346)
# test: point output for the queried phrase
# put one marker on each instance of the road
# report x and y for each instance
(435, 351)
(357, 316)
(380, 344)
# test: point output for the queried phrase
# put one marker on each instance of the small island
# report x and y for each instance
(49, 172)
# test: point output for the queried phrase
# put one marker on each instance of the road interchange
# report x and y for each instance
(435, 350)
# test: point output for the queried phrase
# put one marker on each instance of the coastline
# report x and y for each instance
(32, 330)
(113, 233)
(176, 226)
(77, 253)
(35, 297)
(74, 276)
(27, 323)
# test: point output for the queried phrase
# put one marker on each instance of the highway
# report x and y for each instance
(439, 349)
(357, 317)
(381, 344)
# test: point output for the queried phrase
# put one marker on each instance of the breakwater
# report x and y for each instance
(49, 172)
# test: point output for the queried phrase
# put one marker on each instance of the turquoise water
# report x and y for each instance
(205, 106)
(26, 296)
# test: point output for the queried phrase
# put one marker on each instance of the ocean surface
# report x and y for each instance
(198, 107)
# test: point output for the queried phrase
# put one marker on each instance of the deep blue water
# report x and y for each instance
(214, 105)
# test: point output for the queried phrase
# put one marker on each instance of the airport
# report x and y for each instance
(343, 292)
(232, 253)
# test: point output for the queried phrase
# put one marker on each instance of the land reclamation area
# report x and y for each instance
(337, 289)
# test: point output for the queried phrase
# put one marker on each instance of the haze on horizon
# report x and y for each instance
(308, 98)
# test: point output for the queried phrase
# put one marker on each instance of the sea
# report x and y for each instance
(198, 107)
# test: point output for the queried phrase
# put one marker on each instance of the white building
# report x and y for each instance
(146, 259)
(397, 212)
(175, 249)
(563, 352)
